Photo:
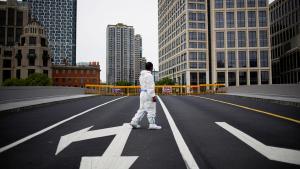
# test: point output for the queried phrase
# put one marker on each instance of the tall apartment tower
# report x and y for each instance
(138, 53)
(59, 19)
(214, 41)
(285, 40)
(120, 53)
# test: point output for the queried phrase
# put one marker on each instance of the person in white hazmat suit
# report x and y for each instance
(147, 99)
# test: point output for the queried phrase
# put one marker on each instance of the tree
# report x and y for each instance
(36, 79)
(123, 83)
(165, 81)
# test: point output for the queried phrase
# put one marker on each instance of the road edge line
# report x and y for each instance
(252, 109)
(183, 148)
(9, 146)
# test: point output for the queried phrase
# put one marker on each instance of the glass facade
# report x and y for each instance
(263, 38)
(230, 19)
(219, 20)
(241, 19)
(251, 19)
(220, 39)
(252, 39)
(231, 59)
(242, 59)
(230, 39)
(242, 39)
(253, 58)
(220, 60)
(59, 20)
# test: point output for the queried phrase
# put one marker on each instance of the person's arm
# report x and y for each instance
(151, 86)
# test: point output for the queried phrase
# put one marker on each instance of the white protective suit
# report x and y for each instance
(146, 95)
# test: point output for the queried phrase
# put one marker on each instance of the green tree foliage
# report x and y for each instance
(123, 83)
(36, 79)
(165, 81)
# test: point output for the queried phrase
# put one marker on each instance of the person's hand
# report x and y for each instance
(154, 99)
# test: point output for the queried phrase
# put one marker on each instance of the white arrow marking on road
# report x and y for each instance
(272, 153)
(111, 158)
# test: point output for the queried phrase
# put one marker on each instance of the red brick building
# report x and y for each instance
(76, 76)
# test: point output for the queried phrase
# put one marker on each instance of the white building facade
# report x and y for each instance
(214, 41)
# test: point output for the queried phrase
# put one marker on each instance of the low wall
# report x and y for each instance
(23, 92)
(291, 90)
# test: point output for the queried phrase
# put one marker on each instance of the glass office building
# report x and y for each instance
(214, 41)
(59, 19)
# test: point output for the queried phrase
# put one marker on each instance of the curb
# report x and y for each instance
(18, 109)
(282, 102)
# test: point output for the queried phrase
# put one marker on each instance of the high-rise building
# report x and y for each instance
(214, 41)
(59, 19)
(285, 41)
(138, 53)
(120, 53)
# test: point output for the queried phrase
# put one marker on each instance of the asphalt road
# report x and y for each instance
(210, 144)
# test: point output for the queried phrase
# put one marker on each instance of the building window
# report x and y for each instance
(243, 78)
(229, 3)
(18, 74)
(231, 59)
(230, 39)
(251, 18)
(32, 40)
(253, 58)
(193, 76)
(230, 19)
(30, 72)
(193, 56)
(251, 3)
(220, 39)
(219, 20)
(192, 16)
(219, 4)
(201, 56)
(201, 16)
(264, 77)
(22, 41)
(220, 60)
(220, 77)
(252, 39)
(11, 16)
(45, 58)
(241, 19)
(253, 78)
(45, 72)
(2, 18)
(242, 59)
(263, 3)
(263, 38)
(201, 36)
(193, 65)
(31, 57)
(202, 78)
(202, 65)
(6, 63)
(193, 44)
(240, 3)
(193, 35)
(264, 58)
(241, 39)
(19, 57)
(6, 74)
(201, 45)
(19, 18)
(231, 79)
(43, 42)
(262, 16)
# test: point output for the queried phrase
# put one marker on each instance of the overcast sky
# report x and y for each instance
(93, 16)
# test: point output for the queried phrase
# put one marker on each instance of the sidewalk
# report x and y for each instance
(282, 94)
(12, 106)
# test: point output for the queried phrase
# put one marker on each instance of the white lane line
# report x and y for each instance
(272, 153)
(2, 149)
(183, 148)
